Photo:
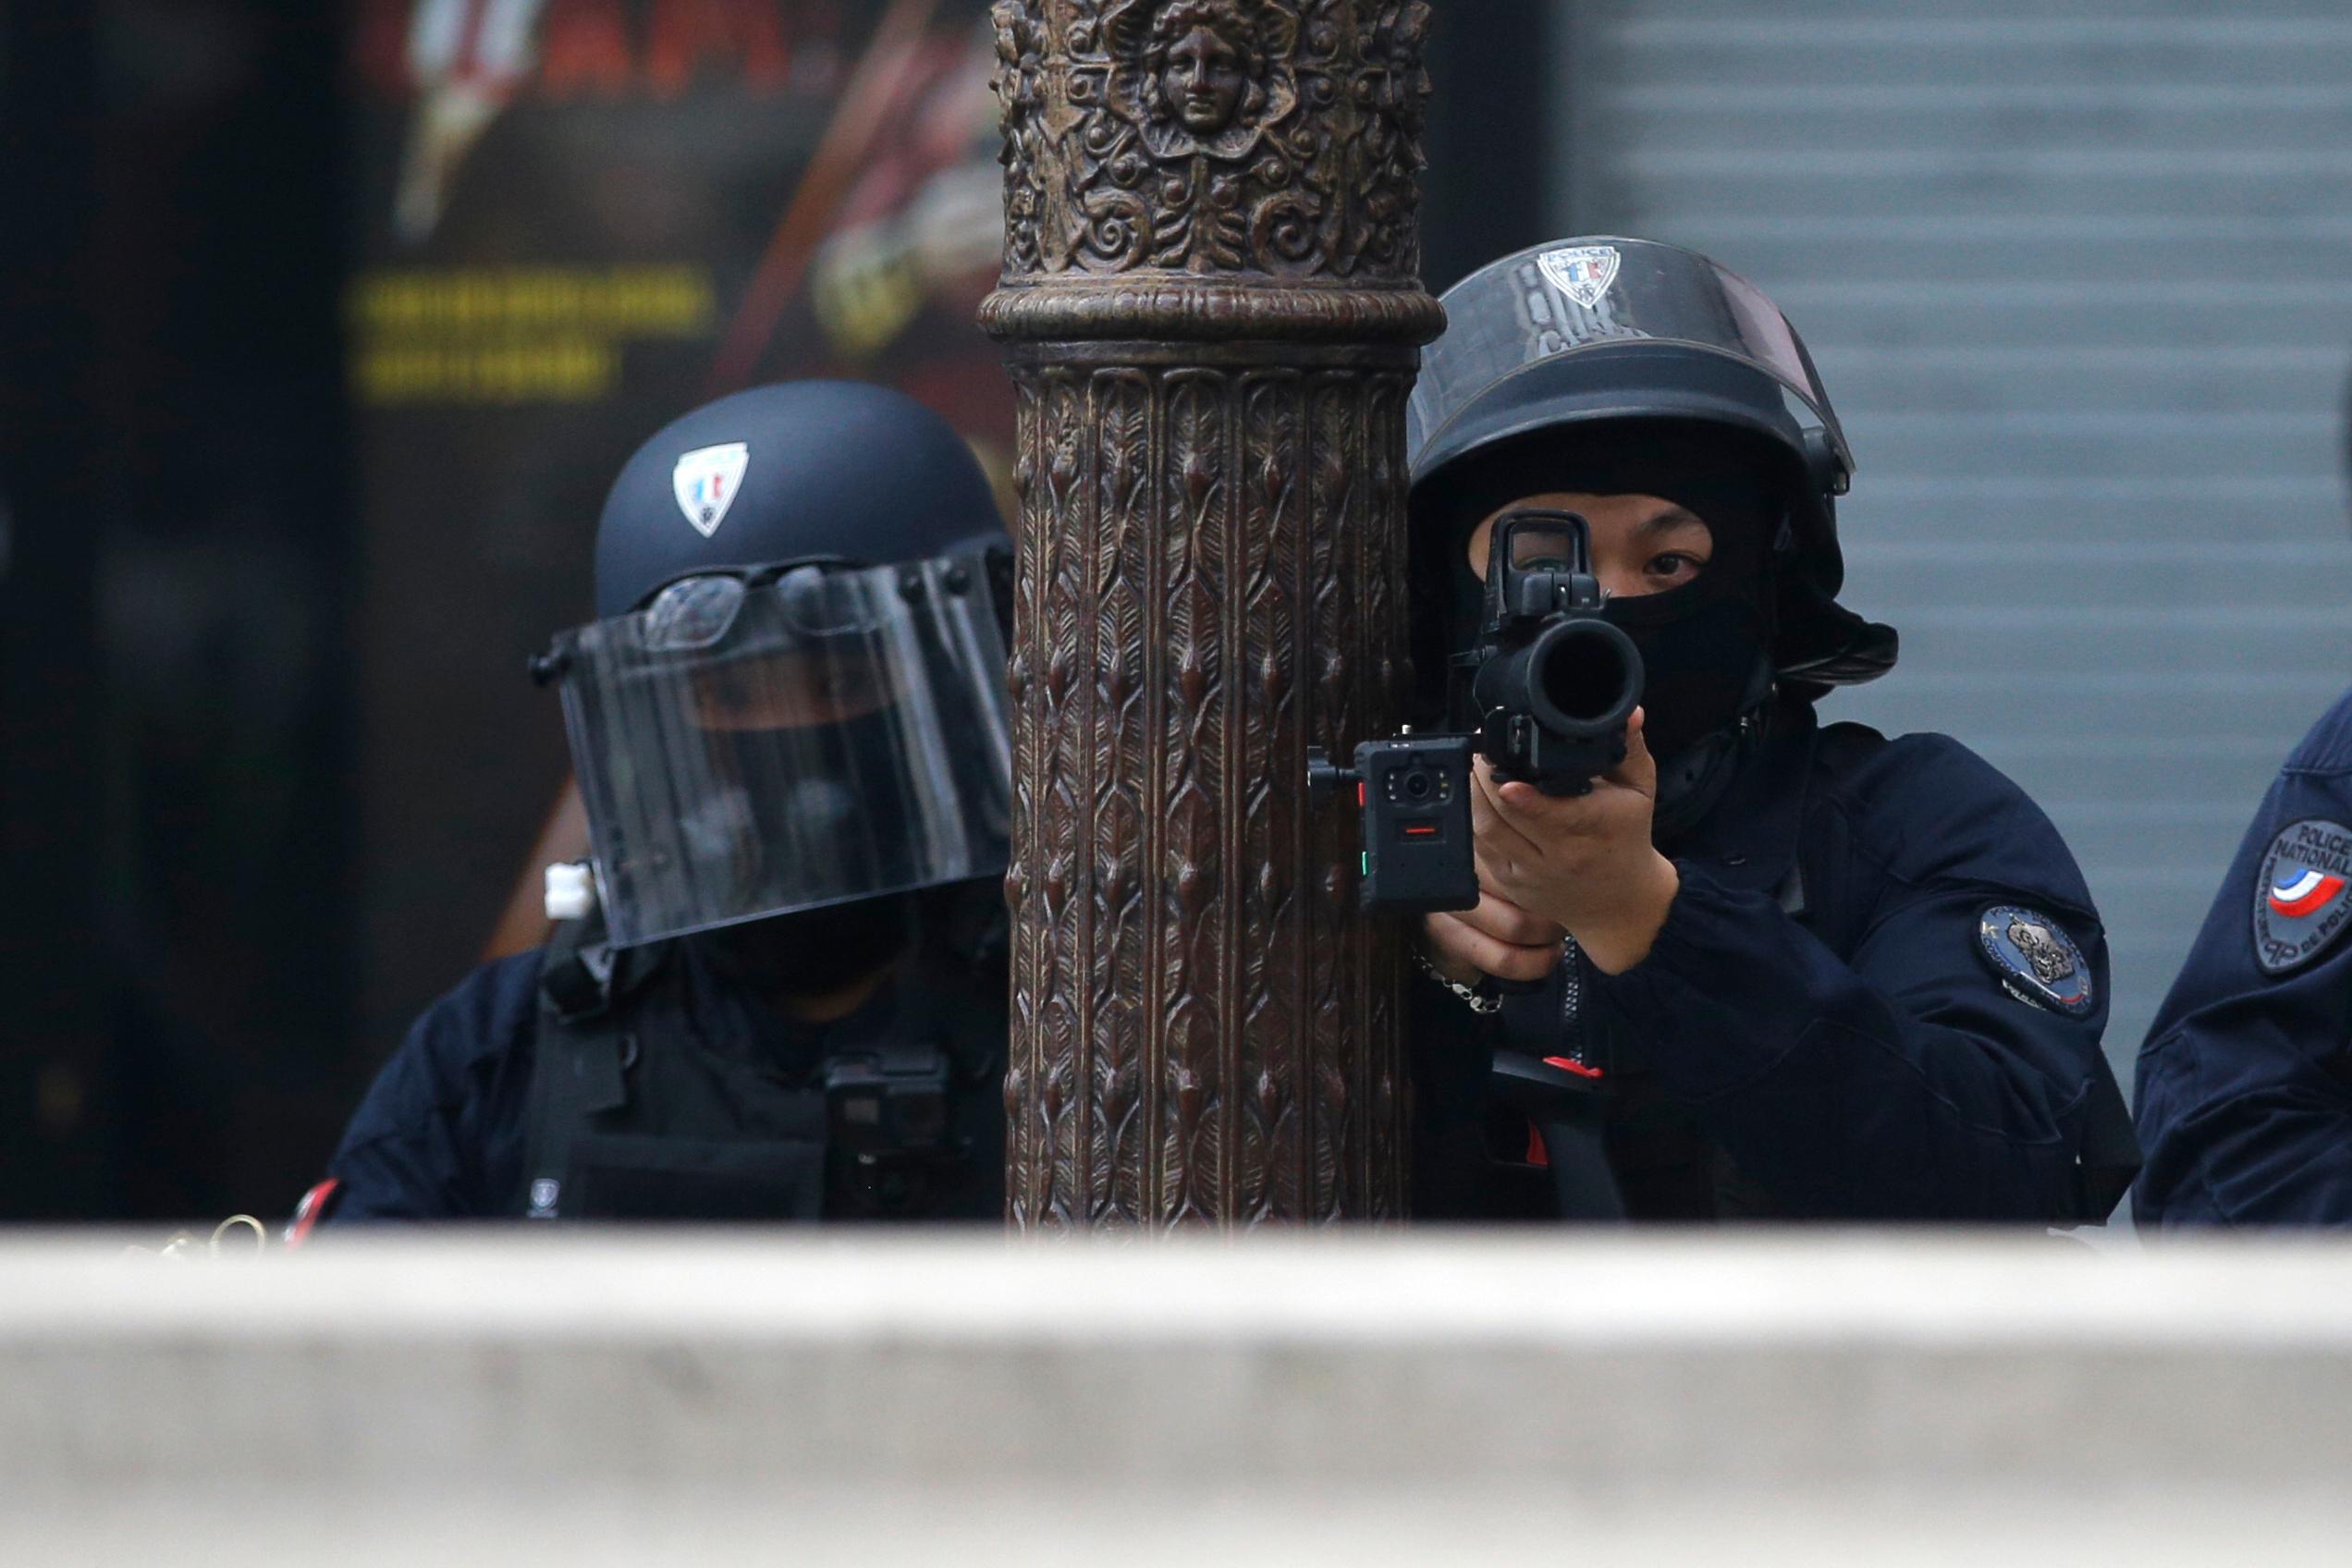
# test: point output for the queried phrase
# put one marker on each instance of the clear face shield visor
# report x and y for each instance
(1522, 332)
(753, 744)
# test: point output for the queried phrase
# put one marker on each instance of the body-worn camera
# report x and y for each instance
(887, 1113)
(1545, 697)
(1413, 796)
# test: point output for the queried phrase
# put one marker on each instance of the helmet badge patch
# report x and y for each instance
(1582, 272)
(2035, 961)
(2303, 895)
(705, 482)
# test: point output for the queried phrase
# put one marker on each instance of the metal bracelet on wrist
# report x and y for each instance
(1477, 999)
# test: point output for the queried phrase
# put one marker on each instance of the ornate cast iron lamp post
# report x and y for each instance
(1212, 306)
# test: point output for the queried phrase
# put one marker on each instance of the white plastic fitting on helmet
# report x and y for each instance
(571, 891)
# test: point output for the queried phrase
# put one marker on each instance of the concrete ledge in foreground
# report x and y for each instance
(526, 1397)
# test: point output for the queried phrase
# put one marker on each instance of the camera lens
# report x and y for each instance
(1417, 785)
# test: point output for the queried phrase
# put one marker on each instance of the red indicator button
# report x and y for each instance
(1359, 797)
(1424, 830)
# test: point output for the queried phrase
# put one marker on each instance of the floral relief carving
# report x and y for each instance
(1207, 1030)
(1198, 137)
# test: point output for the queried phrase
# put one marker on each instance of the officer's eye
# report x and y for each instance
(1675, 565)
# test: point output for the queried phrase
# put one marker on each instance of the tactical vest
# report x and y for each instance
(642, 1107)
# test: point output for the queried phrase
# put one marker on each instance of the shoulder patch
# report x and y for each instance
(2035, 961)
(2300, 895)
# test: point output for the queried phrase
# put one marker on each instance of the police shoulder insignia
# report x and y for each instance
(2300, 903)
(2035, 961)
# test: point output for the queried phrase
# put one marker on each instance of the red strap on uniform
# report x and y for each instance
(1537, 1154)
(1570, 1064)
(312, 1210)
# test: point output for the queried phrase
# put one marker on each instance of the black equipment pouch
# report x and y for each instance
(635, 1176)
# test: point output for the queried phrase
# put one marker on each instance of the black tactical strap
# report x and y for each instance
(581, 1071)
(582, 1058)
(2110, 1155)
(580, 975)
(576, 983)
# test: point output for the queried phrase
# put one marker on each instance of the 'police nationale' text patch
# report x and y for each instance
(2037, 961)
(2300, 896)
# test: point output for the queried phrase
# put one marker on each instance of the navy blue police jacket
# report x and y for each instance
(1878, 995)
(444, 1131)
(440, 1135)
(2244, 1093)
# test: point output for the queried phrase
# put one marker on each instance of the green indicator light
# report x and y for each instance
(1367, 862)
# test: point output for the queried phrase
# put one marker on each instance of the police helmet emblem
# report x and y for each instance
(705, 482)
(2302, 895)
(543, 1192)
(2035, 959)
(1582, 272)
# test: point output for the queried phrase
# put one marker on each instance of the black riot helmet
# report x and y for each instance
(1551, 349)
(796, 472)
(792, 700)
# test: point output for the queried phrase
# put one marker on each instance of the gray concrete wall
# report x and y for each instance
(578, 1400)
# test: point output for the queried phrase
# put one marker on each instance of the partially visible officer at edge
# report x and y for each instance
(782, 995)
(1785, 970)
(2243, 1090)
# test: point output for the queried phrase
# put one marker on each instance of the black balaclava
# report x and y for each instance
(812, 952)
(841, 808)
(1705, 645)
(851, 808)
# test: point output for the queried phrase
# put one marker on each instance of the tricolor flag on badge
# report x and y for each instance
(705, 482)
(2303, 894)
(1582, 272)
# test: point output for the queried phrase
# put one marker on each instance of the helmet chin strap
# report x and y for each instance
(1690, 782)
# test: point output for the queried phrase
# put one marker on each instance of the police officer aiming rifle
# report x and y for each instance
(1762, 966)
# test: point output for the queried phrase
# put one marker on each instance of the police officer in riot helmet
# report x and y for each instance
(1760, 966)
(783, 996)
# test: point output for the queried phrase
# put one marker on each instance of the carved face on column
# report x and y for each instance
(1202, 81)
(1204, 77)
